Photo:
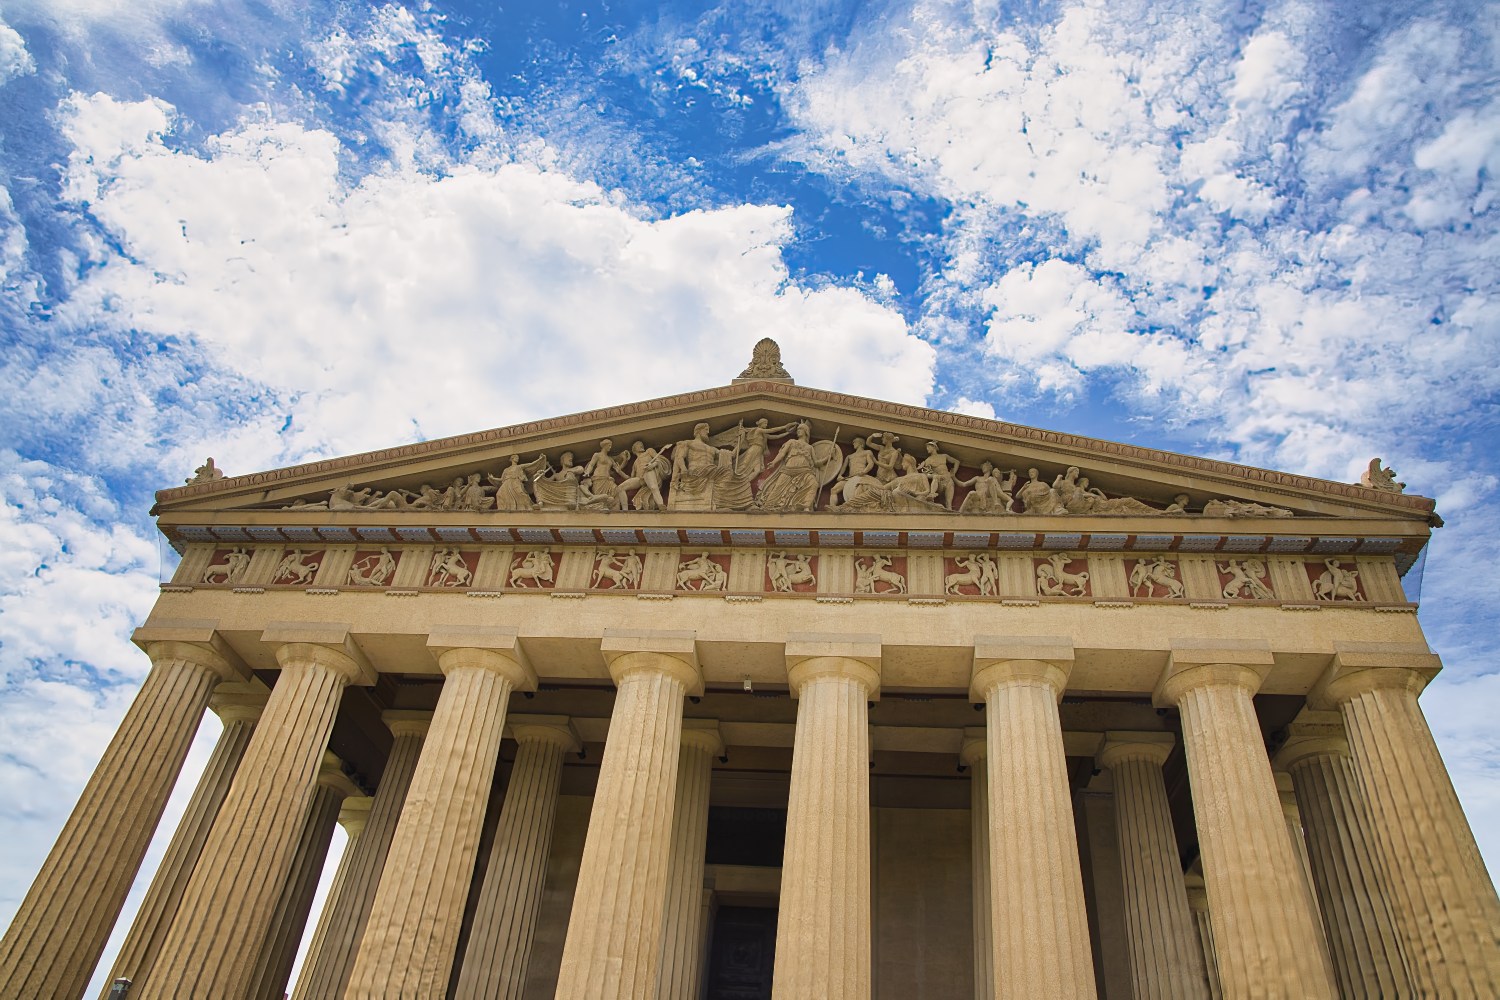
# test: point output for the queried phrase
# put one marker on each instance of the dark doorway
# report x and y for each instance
(743, 952)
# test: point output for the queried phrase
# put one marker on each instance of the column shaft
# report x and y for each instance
(823, 928)
(279, 949)
(682, 931)
(1442, 899)
(1166, 958)
(613, 945)
(1041, 933)
(231, 897)
(1362, 938)
(1198, 903)
(330, 960)
(1264, 929)
(499, 948)
(409, 942)
(138, 952)
(973, 754)
(62, 924)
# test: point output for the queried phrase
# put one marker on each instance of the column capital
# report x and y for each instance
(1008, 659)
(354, 813)
(407, 722)
(331, 776)
(327, 644)
(238, 706)
(669, 651)
(1195, 663)
(516, 670)
(703, 734)
(975, 746)
(1361, 667)
(196, 642)
(1120, 746)
(556, 730)
(1312, 734)
(852, 655)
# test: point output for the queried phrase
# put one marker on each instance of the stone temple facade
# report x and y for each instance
(766, 691)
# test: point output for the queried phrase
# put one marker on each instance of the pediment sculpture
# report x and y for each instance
(756, 466)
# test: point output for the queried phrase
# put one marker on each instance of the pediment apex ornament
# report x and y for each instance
(765, 364)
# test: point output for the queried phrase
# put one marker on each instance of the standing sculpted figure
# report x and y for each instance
(990, 494)
(236, 561)
(1245, 579)
(448, 569)
(600, 472)
(374, 570)
(940, 470)
(887, 455)
(1037, 497)
(793, 481)
(870, 574)
(979, 571)
(787, 572)
(749, 445)
(510, 487)
(622, 572)
(648, 471)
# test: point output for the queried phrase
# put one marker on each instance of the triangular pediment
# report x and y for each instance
(772, 455)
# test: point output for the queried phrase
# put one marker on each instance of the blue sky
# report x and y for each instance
(271, 231)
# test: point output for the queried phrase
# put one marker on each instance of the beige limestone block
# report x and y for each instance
(683, 919)
(490, 572)
(575, 568)
(1264, 928)
(1041, 936)
(1200, 578)
(333, 571)
(263, 560)
(1166, 958)
(1441, 896)
(330, 957)
(1197, 896)
(195, 560)
(1017, 575)
(1289, 580)
(1107, 578)
(972, 754)
(412, 933)
(682, 930)
(1362, 938)
(499, 947)
(823, 928)
(279, 949)
(412, 567)
(613, 945)
(139, 950)
(1382, 582)
(232, 894)
(836, 572)
(659, 569)
(747, 571)
(924, 574)
(62, 924)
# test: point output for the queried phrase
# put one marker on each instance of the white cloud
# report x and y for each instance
(973, 408)
(15, 60)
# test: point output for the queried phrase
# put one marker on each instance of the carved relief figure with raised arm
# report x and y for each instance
(887, 455)
(1152, 573)
(623, 572)
(749, 445)
(236, 561)
(939, 469)
(648, 472)
(1373, 477)
(703, 478)
(448, 569)
(472, 495)
(1246, 578)
(876, 571)
(979, 571)
(600, 472)
(535, 566)
(787, 572)
(795, 478)
(294, 569)
(1054, 580)
(374, 570)
(1336, 583)
(700, 569)
(990, 493)
(1037, 497)
(510, 487)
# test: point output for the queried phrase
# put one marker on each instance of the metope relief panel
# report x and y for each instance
(533, 569)
(880, 575)
(227, 566)
(1062, 574)
(1247, 579)
(971, 574)
(616, 569)
(791, 572)
(1155, 577)
(1334, 580)
(297, 567)
(702, 572)
(374, 567)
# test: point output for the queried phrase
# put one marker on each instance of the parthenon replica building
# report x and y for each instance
(768, 691)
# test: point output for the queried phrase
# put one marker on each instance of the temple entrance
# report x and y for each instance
(742, 955)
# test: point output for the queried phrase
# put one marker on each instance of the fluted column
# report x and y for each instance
(499, 949)
(279, 949)
(613, 946)
(682, 931)
(1041, 933)
(823, 928)
(232, 895)
(1265, 931)
(1166, 958)
(354, 816)
(238, 713)
(1292, 816)
(972, 755)
(1197, 896)
(412, 934)
(1362, 938)
(1441, 896)
(330, 959)
(62, 924)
